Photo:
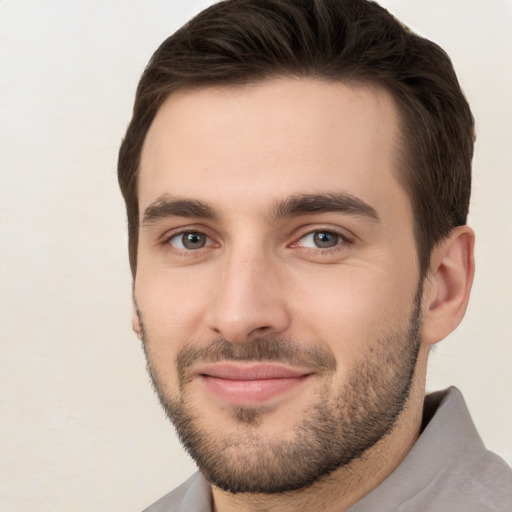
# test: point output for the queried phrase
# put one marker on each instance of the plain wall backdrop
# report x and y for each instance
(81, 429)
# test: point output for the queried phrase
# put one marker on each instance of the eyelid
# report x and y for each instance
(169, 235)
(180, 236)
(346, 237)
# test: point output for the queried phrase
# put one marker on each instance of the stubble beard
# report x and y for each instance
(339, 428)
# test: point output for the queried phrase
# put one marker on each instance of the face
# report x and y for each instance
(277, 288)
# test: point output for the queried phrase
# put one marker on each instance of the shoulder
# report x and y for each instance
(448, 469)
(466, 475)
(479, 480)
(193, 494)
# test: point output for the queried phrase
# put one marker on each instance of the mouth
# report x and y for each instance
(250, 383)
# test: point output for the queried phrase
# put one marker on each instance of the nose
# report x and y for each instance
(249, 300)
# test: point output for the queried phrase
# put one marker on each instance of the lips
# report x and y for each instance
(250, 383)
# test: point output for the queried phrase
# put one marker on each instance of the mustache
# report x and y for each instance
(274, 349)
(263, 349)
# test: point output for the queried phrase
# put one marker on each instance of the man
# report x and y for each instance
(297, 180)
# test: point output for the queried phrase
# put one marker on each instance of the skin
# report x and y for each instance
(239, 152)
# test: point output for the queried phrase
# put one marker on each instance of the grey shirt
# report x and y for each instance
(448, 470)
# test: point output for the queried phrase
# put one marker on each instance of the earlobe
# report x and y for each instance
(448, 285)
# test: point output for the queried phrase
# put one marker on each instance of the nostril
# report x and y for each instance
(263, 328)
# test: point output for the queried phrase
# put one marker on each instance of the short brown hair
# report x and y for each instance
(244, 41)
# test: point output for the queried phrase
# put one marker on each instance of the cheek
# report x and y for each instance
(168, 313)
(352, 308)
(172, 306)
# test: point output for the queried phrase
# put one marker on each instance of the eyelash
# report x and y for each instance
(341, 244)
(185, 252)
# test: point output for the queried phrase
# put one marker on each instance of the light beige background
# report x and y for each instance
(81, 429)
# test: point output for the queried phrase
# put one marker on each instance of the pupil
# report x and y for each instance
(326, 239)
(193, 240)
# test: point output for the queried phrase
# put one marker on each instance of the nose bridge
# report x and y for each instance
(249, 300)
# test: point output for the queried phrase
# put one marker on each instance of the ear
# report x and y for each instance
(136, 324)
(448, 285)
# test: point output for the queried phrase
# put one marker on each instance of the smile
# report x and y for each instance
(250, 383)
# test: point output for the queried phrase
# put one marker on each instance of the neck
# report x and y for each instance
(347, 485)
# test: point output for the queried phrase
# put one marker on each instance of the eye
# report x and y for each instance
(189, 240)
(321, 239)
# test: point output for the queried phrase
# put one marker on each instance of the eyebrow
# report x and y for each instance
(293, 206)
(304, 204)
(166, 206)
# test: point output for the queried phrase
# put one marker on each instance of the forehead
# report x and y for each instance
(235, 146)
